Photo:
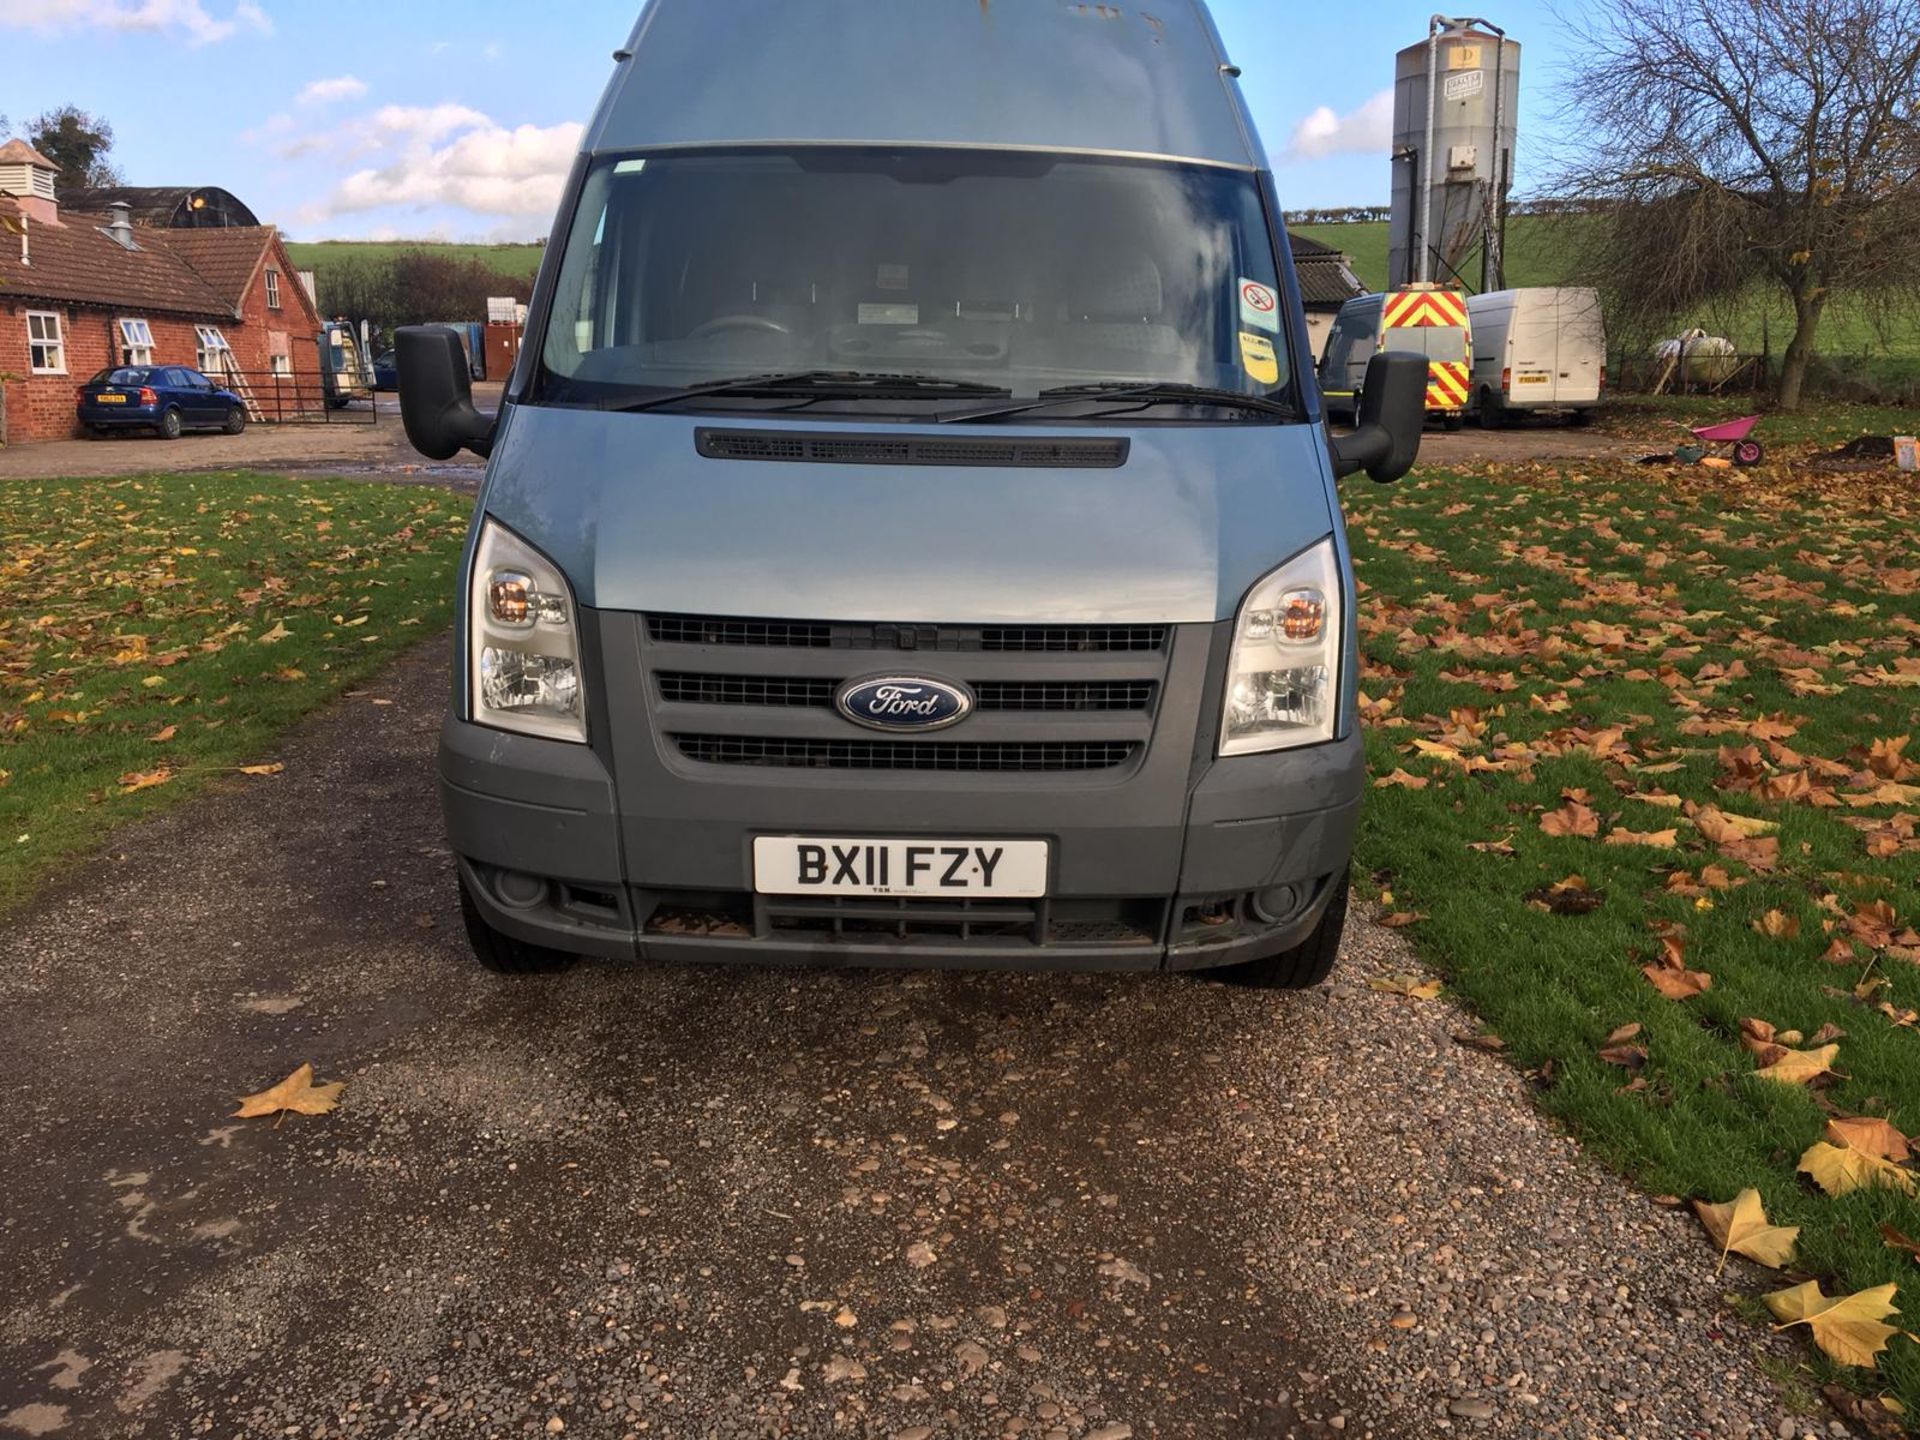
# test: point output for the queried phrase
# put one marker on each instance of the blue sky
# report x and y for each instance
(417, 118)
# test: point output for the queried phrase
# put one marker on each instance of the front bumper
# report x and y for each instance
(1240, 864)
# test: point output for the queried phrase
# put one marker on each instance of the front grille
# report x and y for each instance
(681, 688)
(988, 639)
(737, 916)
(817, 447)
(1026, 695)
(1007, 756)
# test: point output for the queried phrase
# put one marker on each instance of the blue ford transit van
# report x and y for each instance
(910, 535)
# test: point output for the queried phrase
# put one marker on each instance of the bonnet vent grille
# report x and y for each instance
(863, 448)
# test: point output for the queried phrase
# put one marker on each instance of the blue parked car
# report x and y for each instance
(166, 399)
(386, 371)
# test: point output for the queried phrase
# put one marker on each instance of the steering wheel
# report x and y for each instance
(720, 324)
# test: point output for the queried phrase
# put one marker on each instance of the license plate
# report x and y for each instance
(110, 399)
(1531, 379)
(957, 869)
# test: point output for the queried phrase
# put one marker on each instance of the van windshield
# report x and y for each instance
(992, 272)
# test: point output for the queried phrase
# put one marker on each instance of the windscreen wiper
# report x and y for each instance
(815, 385)
(1152, 392)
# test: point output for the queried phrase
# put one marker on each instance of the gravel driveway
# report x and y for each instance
(691, 1202)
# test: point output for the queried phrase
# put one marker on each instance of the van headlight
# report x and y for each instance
(1283, 671)
(523, 645)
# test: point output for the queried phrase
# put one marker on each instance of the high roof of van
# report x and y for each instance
(1034, 74)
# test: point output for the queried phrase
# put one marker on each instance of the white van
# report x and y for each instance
(1542, 349)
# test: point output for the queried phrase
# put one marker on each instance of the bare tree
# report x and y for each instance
(1746, 143)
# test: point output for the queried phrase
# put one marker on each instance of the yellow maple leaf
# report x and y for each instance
(297, 1093)
(144, 780)
(278, 633)
(1846, 1327)
(1871, 1134)
(1797, 1067)
(1741, 1226)
(1841, 1169)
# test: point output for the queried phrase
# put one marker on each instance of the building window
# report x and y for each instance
(46, 351)
(136, 342)
(280, 366)
(211, 353)
(273, 289)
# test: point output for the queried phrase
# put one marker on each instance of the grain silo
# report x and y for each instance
(1453, 159)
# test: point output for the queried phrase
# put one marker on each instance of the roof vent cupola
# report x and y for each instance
(28, 177)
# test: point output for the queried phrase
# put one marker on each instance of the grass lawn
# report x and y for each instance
(1688, 689)
(516, 260)
(159, 632)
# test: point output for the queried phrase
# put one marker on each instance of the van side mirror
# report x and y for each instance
(1393, 412)
(436, 394)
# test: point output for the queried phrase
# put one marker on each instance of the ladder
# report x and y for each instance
(232, 377)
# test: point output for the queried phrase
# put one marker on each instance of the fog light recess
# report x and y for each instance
(519, 891)
(1275, 904)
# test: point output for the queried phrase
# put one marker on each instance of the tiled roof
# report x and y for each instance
(75, 261)
(1305, 246)
(225, 259)
(1325, 280)
(18, 152)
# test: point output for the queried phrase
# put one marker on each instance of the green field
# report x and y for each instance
(1539, 252)
(517, 260)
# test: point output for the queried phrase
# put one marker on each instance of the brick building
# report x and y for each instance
(81, 291)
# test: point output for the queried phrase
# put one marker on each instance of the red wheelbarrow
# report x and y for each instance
(1736, 434)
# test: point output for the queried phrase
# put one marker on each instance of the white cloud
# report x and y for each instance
(188, 17)
(453, 155)
(325, 92)
(1365, 131)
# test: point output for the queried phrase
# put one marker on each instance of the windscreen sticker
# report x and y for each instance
(893, 277)
(1256, 355)
(871, 314)
(1259, 306)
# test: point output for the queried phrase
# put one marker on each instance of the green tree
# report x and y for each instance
(78, 143)
(1764, 143)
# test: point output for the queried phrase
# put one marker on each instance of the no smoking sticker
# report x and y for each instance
(1259, 306)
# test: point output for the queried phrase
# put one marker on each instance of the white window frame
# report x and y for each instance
(273, 288)
(208, 343)
(280, 366)
(47, 351)
(136, 341)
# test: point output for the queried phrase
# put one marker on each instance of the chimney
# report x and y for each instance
(120, 225)
(28, 176)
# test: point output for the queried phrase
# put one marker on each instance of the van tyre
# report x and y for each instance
(1491, 415)
(506, 954)
(169, 426)
(1306, 964)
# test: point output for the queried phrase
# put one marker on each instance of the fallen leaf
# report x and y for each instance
(1778, 925)
(1492, 1044)
(1570, 896)
(1896, 1241)
(1127, 1273)
(1797, 1067)
(1848, 1328)
(1871, 1134)
(920, 1255)
(161, 736)
(1414, 986)
(1403, 779)
(1676, 982)
(1573, 818)
(144, 780)
(273, 769)
(1400, 919)
(1840, 1169)
(297, 1093)
(274, 636)
(1741, 1227)
(1657, 839)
